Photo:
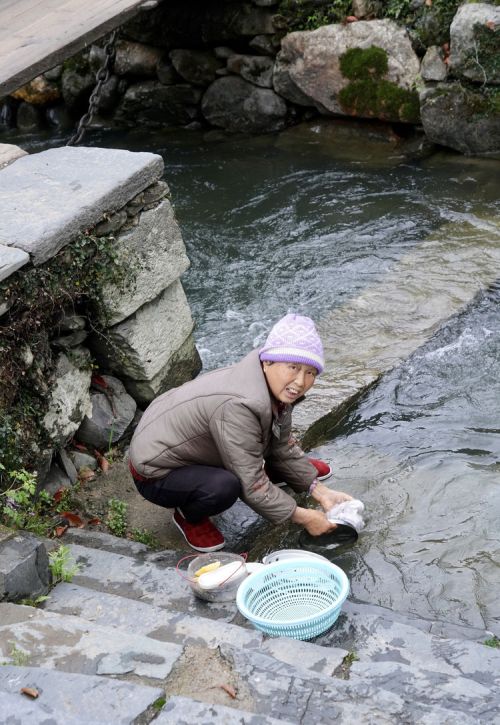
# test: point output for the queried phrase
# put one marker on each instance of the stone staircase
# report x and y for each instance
(126, 642)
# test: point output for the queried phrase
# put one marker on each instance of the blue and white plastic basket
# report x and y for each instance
(299, 598)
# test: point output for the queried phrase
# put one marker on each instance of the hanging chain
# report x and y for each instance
(101, 76)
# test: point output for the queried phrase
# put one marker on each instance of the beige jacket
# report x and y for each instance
(224, 419)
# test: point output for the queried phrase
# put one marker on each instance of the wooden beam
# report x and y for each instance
(36, 35)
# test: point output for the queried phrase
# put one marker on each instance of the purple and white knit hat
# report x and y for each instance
(294, 339)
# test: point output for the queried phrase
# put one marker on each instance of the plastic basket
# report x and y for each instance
(299, 598)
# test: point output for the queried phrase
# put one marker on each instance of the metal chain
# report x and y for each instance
(101, 77)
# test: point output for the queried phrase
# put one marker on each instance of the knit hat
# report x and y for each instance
(294, 339)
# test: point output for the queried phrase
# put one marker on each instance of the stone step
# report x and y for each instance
(463, 696)
(376, 635)
(71, 644)
(147, 581)
(186, 711)
(280, 691)
(139, 617)
(71, 699)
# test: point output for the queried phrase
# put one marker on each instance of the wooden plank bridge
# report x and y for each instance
(36, 35)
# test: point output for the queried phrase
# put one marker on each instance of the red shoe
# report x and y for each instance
(203, 536)
(323, 469)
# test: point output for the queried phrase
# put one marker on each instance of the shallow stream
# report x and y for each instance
(306, 221)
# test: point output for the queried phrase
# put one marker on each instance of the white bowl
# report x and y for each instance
(224, 592)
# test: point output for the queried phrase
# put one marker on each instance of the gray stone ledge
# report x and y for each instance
(11, 260)
(48, 198)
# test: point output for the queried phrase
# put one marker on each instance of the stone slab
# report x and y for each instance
(155, 251)
(435, 280)
(105, 542)
(73, 698)
(11, 259)
(141, 346)
(60, 192)
(67, 643)
(10, 153)
(127, 577)
(24, 567)
(140, 617)
(185, 711)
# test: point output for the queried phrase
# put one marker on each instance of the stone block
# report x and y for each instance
(70, 398)
(71, 698)
(154, 250)
(145, 344)
(62, 191)
(11, 259)
(184, 365)
(474, 43)
(433, 66)
(24, 567)
(10, 153)
(113, 410)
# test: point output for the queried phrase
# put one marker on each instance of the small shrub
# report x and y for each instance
(21, 506)
(116, 518)
(143, 536)
(492, 642)
(61, 564)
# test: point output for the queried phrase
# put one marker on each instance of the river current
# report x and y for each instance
(305, 221)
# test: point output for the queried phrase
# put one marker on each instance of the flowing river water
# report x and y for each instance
(313, 220)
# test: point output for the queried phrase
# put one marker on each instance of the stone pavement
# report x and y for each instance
(126, 642)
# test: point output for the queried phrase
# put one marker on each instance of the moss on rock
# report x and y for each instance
(369, 94)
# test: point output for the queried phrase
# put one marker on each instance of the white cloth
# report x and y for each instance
(348, 512)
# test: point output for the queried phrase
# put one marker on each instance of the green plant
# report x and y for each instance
(306, 15)
(34, 602)
(18, 657)
(116, 518)
(143, 536)
(61, 564)
(159, 703)
(21, 506)
(492, 642)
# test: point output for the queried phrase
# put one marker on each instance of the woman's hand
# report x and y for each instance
(313, 520)
(328, 498)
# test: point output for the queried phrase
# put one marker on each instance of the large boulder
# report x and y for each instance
(257, 69)
(195, 66)
(462, 118)
(235, 105)
(136, 59)
(365, 69)
(475, 43)
(155, 104)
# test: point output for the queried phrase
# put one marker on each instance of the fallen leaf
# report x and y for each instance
(428, 3)
(351, 19)
(58, 494)
(30, 691)
(79, 446)
(490, 24)
(93, 522)
(73, 519)
(99, 381)
(103, 462)
(230, 690)
(60, 530)
(86, 474)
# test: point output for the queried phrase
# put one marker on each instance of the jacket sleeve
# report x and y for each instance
(238, 435)
(287, 460)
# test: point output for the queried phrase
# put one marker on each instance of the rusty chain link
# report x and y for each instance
(102, 76)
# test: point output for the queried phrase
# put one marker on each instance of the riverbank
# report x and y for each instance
(259, 68)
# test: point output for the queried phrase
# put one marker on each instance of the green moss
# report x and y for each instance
(380, 99)
(364, 63)
(307, 15)
(485, 57)
(427, 24)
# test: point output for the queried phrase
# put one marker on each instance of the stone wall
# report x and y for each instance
(235, 65)
(102, 350)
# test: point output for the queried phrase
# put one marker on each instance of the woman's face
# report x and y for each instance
(288, 381)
